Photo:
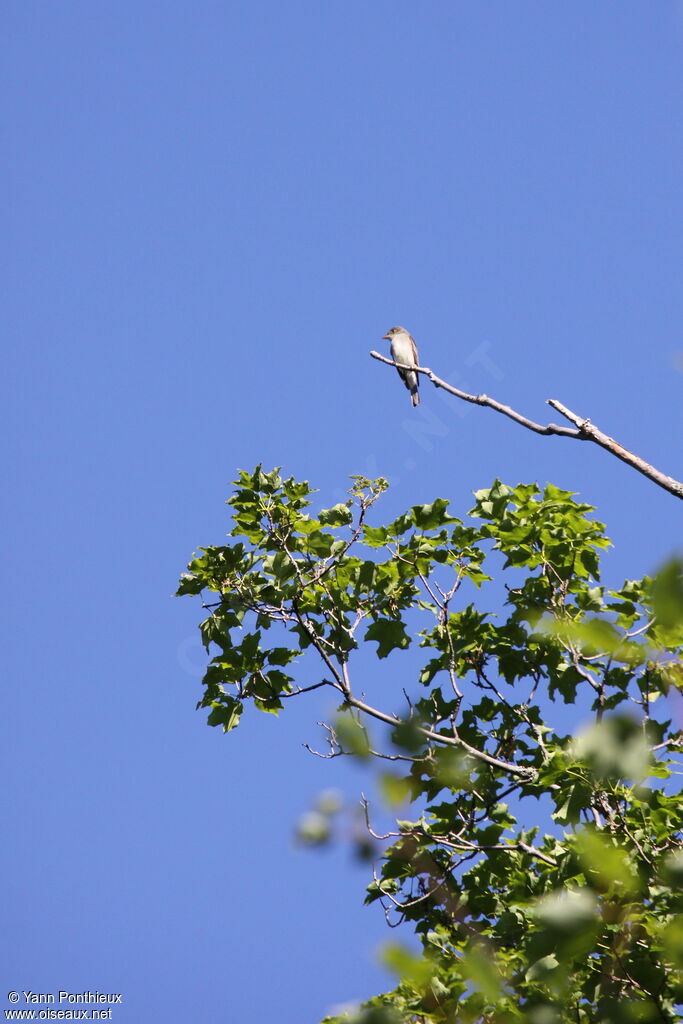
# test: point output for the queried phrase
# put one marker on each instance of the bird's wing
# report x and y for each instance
(413, 346)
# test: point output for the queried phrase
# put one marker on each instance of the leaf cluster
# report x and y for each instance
(580, 923)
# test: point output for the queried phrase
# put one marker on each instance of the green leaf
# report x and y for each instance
(543, 967)
(616, 747)
(479, 967)
(396, 790)
(431, 517)
(667, 595)
(375, 536)
(571, 801)
(400, 526)
(189, 584)
(338, 515)
(352, 735)
(282, 655)
(320, 544)
(606, 863)
(566, 910)
(226, 713)
(404, 963)
(390, 634)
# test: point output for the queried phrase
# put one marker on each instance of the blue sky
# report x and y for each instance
(215, 210)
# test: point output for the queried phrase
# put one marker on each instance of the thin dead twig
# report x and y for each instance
(583, 429)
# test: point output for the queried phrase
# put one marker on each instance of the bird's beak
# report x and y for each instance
(385, 336)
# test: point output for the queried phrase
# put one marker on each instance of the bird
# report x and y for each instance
(404, 350)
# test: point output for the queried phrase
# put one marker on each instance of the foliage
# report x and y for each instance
(581, 923)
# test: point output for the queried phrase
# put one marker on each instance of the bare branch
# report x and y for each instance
(589, 430)
(306, 689)
(584, 429)
(459, 844)
(366, 812)
(673, 741)
(533, 852)
(551, 428)
(437, 737)
(325, 757)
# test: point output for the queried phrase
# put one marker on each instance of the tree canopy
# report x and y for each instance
(497, 638)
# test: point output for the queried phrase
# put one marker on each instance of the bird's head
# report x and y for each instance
(393, 331)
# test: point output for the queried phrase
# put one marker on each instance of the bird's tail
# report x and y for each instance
(415, 397)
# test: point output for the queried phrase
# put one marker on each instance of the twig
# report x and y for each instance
(585, 430)
(306, 689)
(533, 852)
(551, 428)
(513, 769)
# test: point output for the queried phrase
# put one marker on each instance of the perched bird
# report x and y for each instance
(404, 350)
